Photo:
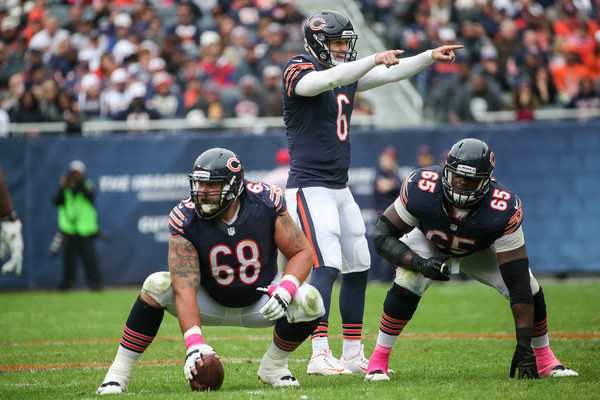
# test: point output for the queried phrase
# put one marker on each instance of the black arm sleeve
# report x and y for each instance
(387, 244)
(516, 276)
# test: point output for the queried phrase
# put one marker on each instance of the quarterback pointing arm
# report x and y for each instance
(318, 99)
(459, 215)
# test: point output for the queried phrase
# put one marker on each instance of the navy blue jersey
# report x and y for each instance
(498, 213)
(317, 129)
(238, 258)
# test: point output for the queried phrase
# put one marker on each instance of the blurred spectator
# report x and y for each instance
(523, 102)
(271, 94)
(567, 74)
(185, 27)
(49, 102)
(9, 30)
(249, 103)
(69, 113)
(473, 38)
(386, 189)
(156, 32)
(451, 87)
(491, 69)
(139, 112)
(88, 98)
(569, 21)
(27, 111)
(213, 65)
(48, 39)
(116, 98)
(16, 88)
(478, 98)
(587, 97)
(275, 40)
(424, 157)
(507, 42)
(75, 18)
(210, 103)
(13, 60)
(64, 60)
(166, 103)
(544, 87)
(78, 225)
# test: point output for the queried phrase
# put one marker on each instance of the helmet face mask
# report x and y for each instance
(473, 160)
(216, 182)
(323, 27)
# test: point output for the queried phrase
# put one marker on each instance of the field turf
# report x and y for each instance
(459, 345)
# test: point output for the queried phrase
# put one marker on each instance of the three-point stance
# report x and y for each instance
(463, 218)
(318, 99)
(223, 272)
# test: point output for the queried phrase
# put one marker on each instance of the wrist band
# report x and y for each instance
(193, 336)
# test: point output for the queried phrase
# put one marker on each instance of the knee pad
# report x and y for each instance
(354, 220)
(362, 256)
(158, 286)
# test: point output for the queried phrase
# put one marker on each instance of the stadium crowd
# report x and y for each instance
(74, 61)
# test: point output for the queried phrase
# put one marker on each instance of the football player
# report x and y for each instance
(223, 272)
(318, 96)
(459, 217)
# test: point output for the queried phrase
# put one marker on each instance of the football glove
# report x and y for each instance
(11, 244)
(194, 354)
(277, 304)
(431, 268)
(524, 360)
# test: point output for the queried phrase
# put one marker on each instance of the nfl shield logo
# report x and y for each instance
(231, 231)
(453, 227)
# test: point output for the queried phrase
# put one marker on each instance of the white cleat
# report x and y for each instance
(377, 375)
(324, 363)
(111, 388)
(561, 371)
(276, 375)
(357, 364)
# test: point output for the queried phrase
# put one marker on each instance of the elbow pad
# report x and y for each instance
(386, 241)
(516, 276)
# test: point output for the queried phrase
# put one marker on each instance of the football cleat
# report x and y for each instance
(357, 364)
(110, 388)
(561, 371)
(324, 363)
(275, 373)
(377, 375)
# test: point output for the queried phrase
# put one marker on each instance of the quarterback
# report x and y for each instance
(318, 99)
(458, 216)
(223, 272)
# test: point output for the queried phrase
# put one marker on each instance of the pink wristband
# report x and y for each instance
(193, 340)
(289, 286)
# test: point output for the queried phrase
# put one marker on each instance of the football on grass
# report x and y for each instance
(210, 375)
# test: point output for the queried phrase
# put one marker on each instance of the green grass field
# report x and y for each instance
(459, 345)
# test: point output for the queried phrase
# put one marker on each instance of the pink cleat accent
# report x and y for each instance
(548, 364)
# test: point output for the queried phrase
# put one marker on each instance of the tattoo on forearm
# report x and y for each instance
(184, 265)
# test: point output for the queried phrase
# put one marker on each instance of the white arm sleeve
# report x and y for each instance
(404, 214)
(318, 82)
(407, 67)
(510, 242)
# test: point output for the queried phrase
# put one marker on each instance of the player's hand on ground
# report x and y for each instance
(194, 354)
(432, 268)
(277, 304)
(11, 244)
(524, 360)
(446, 52)
(388, 58)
